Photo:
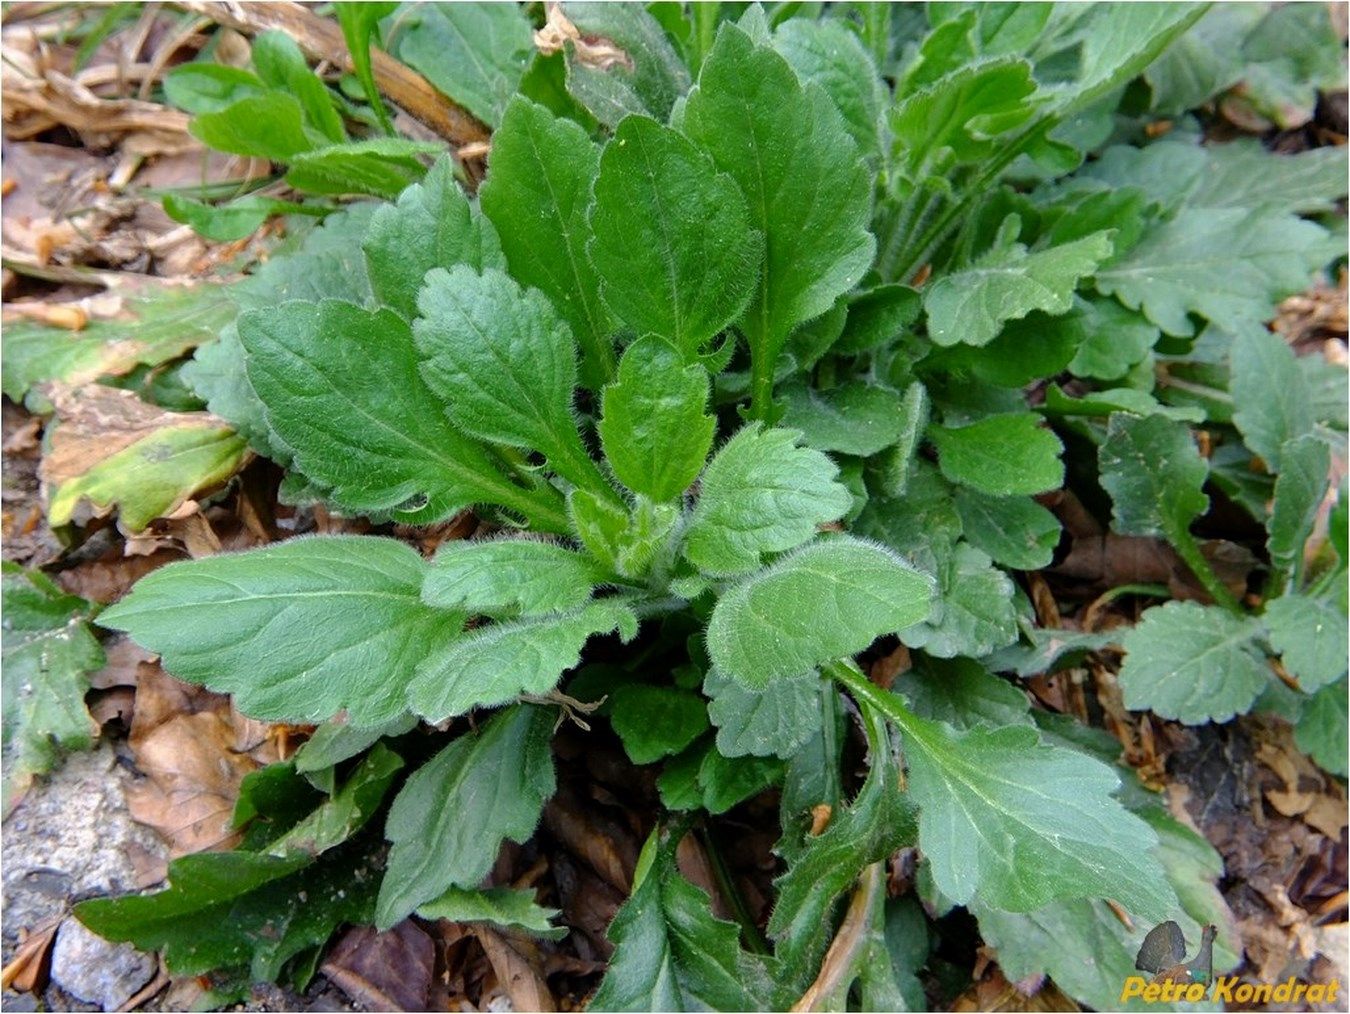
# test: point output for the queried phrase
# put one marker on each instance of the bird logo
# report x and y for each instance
(1163, 954)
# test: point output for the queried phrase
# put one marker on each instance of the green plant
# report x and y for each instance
(690, 375)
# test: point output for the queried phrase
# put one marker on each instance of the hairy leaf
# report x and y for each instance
(504, 364)
(495, 663)
(1193, 663)
(536, 193)
(503, 576)
(761, 493)
(231, 623)
(775, 721)
(453, 813)
(671, 237)
(431, 226)
(830, 599)
(970, 306)
(341, 389)
(1001, 455)
(655, 431)
(808, 192)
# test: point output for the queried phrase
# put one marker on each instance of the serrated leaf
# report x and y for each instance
(877, 316)
(229, 622)
(879, 821)
(655, 722)
(499, 577)
(1310, 635)
(495, 663)
(854, 418)
(701, 777)
(431, 226)
(973, 613)
(453, 813)
(1115, 339)
(340, 386)
(671, 237)
(1016, 532)
(655, 431)
(761, 493)
(825, 52)
(958, 118)
(671, 953)
(1299, 491)
(970, 306)
(1271, 400)
(1154, 473)
(1018, 824)
(963, 694)
(242, 910)
(1245, 174)
(776, 721)
(504, 364)
(1229, 265)
(476, 53)
(808, 192)
(48, 652)
(827, 600)
(1322, 729)
(108, 449)
(511, 910)
(920, 521)
(1193, 663)
(1105, 949)
(536, 193)
(257, 910)
(1001, 455)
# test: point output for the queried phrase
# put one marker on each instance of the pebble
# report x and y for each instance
(92, 969)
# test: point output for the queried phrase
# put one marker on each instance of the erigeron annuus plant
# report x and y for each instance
(684, 372)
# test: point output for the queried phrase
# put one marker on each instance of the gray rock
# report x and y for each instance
(70, 838)
(92, 969)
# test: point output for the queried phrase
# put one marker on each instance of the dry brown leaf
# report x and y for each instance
(384, 971)
(27, 971)
(519, 967)
(592, 51)
(194, 750)
(606, 846)
(192, 782)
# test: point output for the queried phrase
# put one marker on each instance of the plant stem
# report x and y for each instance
(750, 933)
(1189, 551)
(872, 698)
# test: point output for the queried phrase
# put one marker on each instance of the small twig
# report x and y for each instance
(322, 39)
